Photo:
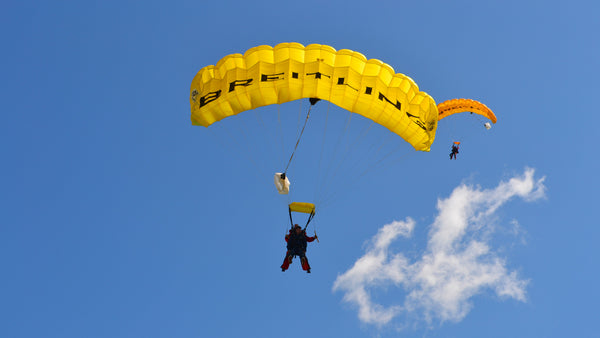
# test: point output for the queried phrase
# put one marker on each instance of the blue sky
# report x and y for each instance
(121, 219)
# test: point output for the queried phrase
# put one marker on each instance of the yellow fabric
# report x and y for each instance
(455, 106)
(306, 208)
(267, 75)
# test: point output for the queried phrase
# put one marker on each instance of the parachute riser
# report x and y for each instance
(310, 217)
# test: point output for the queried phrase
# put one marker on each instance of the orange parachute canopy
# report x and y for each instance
(454, 106)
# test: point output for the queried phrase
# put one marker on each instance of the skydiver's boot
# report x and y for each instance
(305, 265)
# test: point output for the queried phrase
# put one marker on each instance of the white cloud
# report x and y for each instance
(457, 264)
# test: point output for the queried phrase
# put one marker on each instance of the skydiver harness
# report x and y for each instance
(297, 243)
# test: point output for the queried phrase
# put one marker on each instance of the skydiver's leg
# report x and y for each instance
(286, 261)
(305, 265)
(304, 262)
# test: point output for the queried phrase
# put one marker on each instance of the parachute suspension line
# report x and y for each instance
(345, 158)
(459, 124)
(238, 145)
(335, 151)
(374, 160)
(354, 143)
(475, 124)
(351, 144)
(320, 182)
(298, 141)
(333, 196)
(246, 142)
(452, 130)
(369, 156)
(395, 150)
(318, 185)
(268, 134)
(375, 155)
(280, 127)
(483, 122)
(259, 119)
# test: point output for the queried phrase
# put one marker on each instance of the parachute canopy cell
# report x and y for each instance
(267, 75)
(455, 106)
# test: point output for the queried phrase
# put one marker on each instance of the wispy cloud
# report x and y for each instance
(457, 264)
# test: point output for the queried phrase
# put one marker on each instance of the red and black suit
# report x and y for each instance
(296, 246)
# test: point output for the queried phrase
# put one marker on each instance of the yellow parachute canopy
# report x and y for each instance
(267, 75)
(307, 208)
(454, 106)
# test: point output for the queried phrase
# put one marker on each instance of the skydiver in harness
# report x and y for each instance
(296, 246)
(454, 150)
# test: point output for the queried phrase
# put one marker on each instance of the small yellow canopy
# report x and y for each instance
(307, 208)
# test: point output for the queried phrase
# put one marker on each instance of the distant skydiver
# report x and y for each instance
(454, 150)
(296, 246)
